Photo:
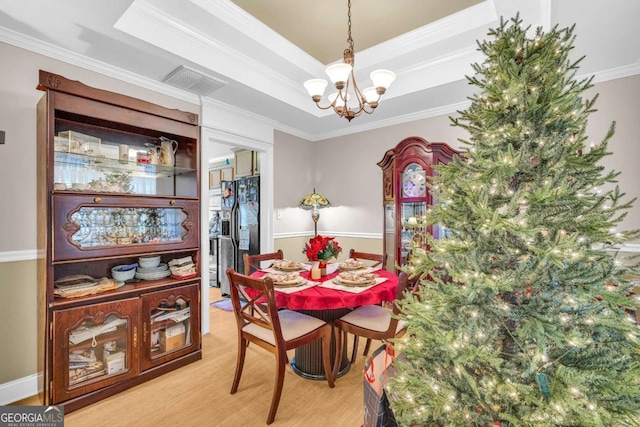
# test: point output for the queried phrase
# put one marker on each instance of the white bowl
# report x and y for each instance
(122, 276)
(149, 261)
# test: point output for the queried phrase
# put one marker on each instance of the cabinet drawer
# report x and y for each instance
(94, 226)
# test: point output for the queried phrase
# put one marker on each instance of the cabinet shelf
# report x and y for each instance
(126, 291)
(114, 165)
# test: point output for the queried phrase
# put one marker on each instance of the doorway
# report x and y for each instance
(218, 146)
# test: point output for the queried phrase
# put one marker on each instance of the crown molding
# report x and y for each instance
(253, 28)
(615, 73)
(69, 57)
(146, 22)
(418, 115)
(476, 16)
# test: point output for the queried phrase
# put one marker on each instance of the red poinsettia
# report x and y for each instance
(321, 248)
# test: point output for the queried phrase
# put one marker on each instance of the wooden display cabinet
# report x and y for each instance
(108, 194)
(406, 170)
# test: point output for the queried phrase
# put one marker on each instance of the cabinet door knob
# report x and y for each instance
(172, 202)
(97, 199)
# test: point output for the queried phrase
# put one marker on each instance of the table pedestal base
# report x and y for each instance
(308, 358)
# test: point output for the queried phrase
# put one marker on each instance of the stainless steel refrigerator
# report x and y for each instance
(240, 225)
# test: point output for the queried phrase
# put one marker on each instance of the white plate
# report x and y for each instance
(153, 276)
(291, 283)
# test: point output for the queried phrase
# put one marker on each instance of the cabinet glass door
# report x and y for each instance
(100, 159)
(107, 226)
(98, 345)
(390, 236)
(89, 226)
(168, 324)
(413, 234)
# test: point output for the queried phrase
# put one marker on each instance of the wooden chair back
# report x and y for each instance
(260, 309)
(259, 321)
(253, 263)
(378, 259)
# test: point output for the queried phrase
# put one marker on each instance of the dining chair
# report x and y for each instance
(379, 259)
(374, 322)
(253, 263)
(275, 331)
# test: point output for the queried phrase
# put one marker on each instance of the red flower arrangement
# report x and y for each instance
(321, 248)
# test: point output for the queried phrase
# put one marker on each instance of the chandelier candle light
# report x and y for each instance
(342, 76)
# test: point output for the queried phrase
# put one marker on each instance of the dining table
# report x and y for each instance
(328, 300)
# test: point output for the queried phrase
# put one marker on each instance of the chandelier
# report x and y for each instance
(342, 76)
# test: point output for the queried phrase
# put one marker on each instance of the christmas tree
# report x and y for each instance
(521, 317)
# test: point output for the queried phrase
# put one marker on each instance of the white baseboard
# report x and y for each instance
(18, 389)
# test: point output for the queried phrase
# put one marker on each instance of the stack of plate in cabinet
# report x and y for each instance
(150, 268)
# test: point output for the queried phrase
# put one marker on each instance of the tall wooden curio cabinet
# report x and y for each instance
(406, 197)
(118, 229)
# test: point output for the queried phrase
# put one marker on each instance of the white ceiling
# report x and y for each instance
(431, 47)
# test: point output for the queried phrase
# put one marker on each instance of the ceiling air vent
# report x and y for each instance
(193, 81)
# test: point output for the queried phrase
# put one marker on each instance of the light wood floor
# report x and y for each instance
(198, 394)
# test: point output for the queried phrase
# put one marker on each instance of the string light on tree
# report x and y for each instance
(518, 293)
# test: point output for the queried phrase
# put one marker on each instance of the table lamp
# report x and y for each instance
(314, 202)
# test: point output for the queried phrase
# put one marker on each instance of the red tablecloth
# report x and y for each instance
(320, 298)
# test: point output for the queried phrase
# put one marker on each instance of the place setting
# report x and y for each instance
(355, 280)
(352, 264)
(285, 266)
(290, 282)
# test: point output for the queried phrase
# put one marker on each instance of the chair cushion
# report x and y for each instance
(292, 323)
(372, 317)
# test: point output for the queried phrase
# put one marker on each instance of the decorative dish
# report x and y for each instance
(351, 264)
(355, 279)
(285, 265)
(286, 279)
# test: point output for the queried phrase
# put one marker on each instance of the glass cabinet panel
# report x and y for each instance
(168, 324)
(390, 233)
(97, 346)
(91, 155)
(103, 226)
(106, 226)
(413, 235)
(98, 349)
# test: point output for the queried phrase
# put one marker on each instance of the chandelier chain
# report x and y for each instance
(349, 39)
